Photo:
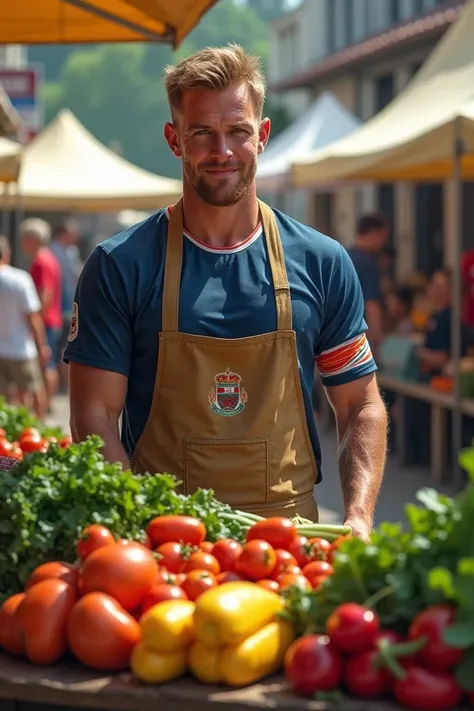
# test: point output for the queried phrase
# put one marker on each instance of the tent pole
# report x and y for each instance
(456, 325)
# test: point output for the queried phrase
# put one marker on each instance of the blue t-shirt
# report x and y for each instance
(225, 293)
(368, 272)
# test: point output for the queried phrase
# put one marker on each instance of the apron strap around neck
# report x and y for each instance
(278, 269)
(173, 263)
(174, 258)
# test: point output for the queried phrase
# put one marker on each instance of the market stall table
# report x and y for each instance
(24, 687)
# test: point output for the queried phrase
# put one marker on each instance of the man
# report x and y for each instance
(46, 273)
(435, 353)
(372, 231)
(202, 323)
(64, 247)
(22, 336)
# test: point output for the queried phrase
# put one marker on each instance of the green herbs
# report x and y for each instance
(15, 419)
(47, 499)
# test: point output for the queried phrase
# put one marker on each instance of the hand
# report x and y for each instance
(360, 528)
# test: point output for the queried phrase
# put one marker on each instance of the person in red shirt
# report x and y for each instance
(467, 274)
(45, 271)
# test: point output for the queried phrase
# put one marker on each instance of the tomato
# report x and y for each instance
(257, 560)
(226, 551)
(65, 441)
(126, 573)
(268, 584)
(285, 563)
(92, 538)
(432, 624)
(390, 635)
(101, 633)
(206, 546)
(335, 547)
(427, 689)
(16, 451)
(289, 580)
(10, 636)
(228, 576)
(279, 532)
(320, 548)
(160, 593)
(3, 434)
(176, 529)
(43, 616)
(29, 432)
(172, 557)
(312, 665)
(363, 678)
(5, 448)
(316, 570)
(202, 561)
(148, 543)
(53, 569)
(32, 443)
(301, 549)
(197, 582)
(179, 578)
(163, 577)
(352, 627)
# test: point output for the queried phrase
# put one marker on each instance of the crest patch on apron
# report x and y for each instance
(227, 397)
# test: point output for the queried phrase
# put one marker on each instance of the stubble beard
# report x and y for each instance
(220, 196)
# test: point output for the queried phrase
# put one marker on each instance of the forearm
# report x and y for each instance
(82, 426)
(362, 454)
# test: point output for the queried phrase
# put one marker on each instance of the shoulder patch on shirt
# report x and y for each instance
(74, 329)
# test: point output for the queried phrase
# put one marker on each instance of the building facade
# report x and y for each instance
(365, 52)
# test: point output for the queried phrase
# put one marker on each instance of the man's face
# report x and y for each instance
(218, 136)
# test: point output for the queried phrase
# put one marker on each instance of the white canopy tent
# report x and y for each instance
(65, 168)
(325, 121)
(425, 134)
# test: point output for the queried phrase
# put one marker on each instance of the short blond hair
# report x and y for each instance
(216, 68)
(38, 229)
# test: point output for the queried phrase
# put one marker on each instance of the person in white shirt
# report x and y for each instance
(23, 348)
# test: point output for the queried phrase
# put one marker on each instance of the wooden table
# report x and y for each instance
(24, 687)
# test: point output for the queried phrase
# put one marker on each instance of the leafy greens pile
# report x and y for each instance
(47, 499)
(403, 571)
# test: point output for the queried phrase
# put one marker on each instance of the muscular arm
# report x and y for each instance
(36, 326)
(362, 434)
(97, 398)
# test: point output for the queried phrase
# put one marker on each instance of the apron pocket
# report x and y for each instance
(237, 470)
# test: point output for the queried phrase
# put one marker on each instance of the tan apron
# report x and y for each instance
(228, 414)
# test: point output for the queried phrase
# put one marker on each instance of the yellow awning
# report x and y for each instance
(84, 21)
(413, 138)
(10, 153)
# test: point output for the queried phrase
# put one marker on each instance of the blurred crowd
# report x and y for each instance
(36, 311)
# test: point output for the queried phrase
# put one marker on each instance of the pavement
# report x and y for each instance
(399, 486)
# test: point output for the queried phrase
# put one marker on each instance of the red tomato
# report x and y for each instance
(335, 547)
(10, 633)
(65, 441)
(197, 582)
(92, 538)
(285, 563)
(290, 580)
(126, 573)
(176, 529)
(226, 551)
(312, 665)
(171, 557)
(148, 543)
(279, 532)
(53, 569)
(3, 434)
(390, 635)
(33, 443)
(16, 451)
(257, 560)
(427, 689)
(316, 570)
(5, 448)
(29, 432)
(163, 577)
(180, 578)
(269, 584)
(202, 561)
(160, 593)
(432, 624)
(228, 576)
(206, 546)
(352, 627)
(363, 678)
(101, 634)
(300, 548)
(320, 548)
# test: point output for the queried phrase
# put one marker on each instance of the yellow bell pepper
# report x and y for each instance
(157, 667)
(168, 626)
(230, 613)
(242, 664)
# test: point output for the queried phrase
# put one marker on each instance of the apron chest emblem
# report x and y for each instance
(228, 397)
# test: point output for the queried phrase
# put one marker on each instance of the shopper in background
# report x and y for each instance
(46, 273)
(23, 344)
